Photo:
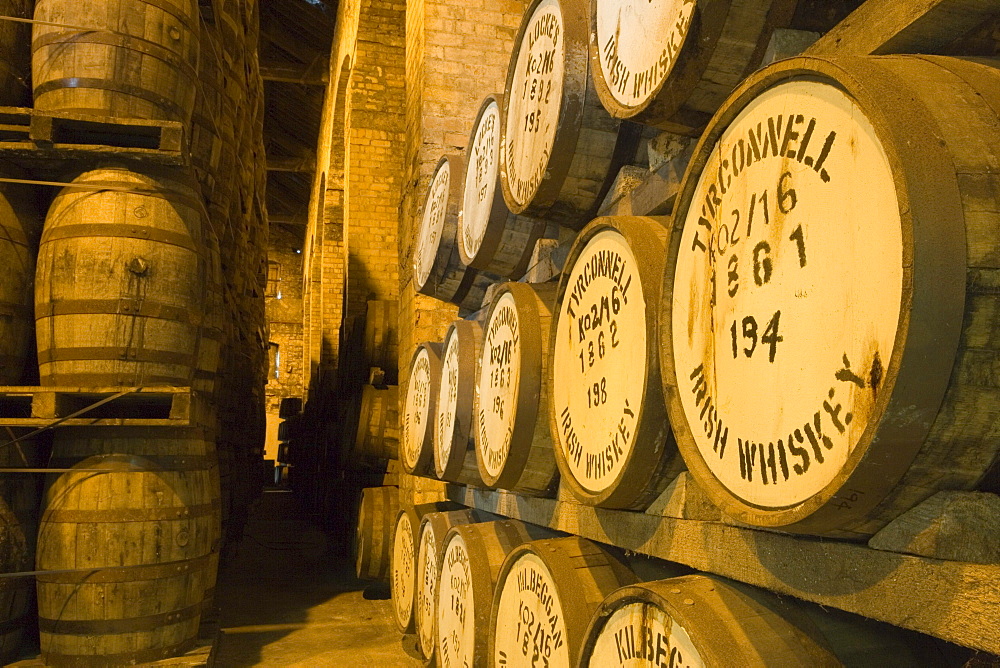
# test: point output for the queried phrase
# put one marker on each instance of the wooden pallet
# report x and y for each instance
(31, 134)
(65, 407)
(958, 601)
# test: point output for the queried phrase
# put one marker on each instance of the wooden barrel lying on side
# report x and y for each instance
(699, 620)
(454, 444)
(381, 338)
(133, 60)
(672, 64)
(405, 542)
(419, 410)
(513, 443)
(19, 229)
(614, 447)
(471, 557)
(15, 54)
(560, 149)
(825, 302)
(377, 435)
(433, 528)
(130, 603)
(373, 536)
(546, 593)
(123, 277)
(490, 237)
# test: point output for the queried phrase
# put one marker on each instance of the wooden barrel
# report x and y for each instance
(471, 557)
(513, 443)
(405, 542)
(377, 435)
(546, 593)
(123, 277)
(560, 149)
(15, 68)
(145, 532)
(19, 501)
(433, 528)
(134, 59)
(699, 620)
(454, 443)
(438, 270)
(381, 339)
(614, 447)
(420, 409)
(672, 64)
(490, 237)
(19, 230)
(824, 370)
(373, 535)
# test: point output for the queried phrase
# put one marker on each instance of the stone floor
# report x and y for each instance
(285, 601)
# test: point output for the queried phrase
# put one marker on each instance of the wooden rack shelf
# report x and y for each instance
(955, 601)
(137, 407)
(30, 135)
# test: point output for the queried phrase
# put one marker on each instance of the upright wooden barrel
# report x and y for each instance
(141, 538)
(381, 339)
(546, 593)
(212, 131)
(826, 302)
(15, 53)
(438, 270)
(19, 501)
(420, 409)
(471, 557)
(378, 425)
(699, 620)
(513, 442)
(490, 237)
(614, 447)
(454, 443)
(131, 59)
(560, 148)
(373, 536)
(433, 529)
(19, 229)
(123, 276)
(405, 568)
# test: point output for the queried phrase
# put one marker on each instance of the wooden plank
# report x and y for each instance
(889, 26)
(654, 196)
(955, 601)
(315, 73)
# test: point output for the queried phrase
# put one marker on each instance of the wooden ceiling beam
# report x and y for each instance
(312, 74)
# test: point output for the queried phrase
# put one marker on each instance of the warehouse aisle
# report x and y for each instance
(285, 602)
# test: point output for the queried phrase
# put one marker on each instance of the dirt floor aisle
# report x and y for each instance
(286, 602)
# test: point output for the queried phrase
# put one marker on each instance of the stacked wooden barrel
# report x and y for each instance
(407, 570)
(420, 409)
(699, 620)
(513, 443)
(372, 545)
(829, 279)
(454, 443)
(612, 440)
(15, 53)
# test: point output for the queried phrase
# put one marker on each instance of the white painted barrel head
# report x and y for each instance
(640, 634)
(481, 200)
(533, 102)
(432, 226)
(456, 623)
(420, 408)
(453, 426)
(599, 370)
(634, 45)
(530, 628)
(403, 583)
(498, 388)
(426, 594)
(784, 302)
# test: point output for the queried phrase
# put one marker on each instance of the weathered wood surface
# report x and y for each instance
(889, 26)
(656, 194)
(31, 406)
(956, 601)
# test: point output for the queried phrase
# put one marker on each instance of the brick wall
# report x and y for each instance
(284, 315)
